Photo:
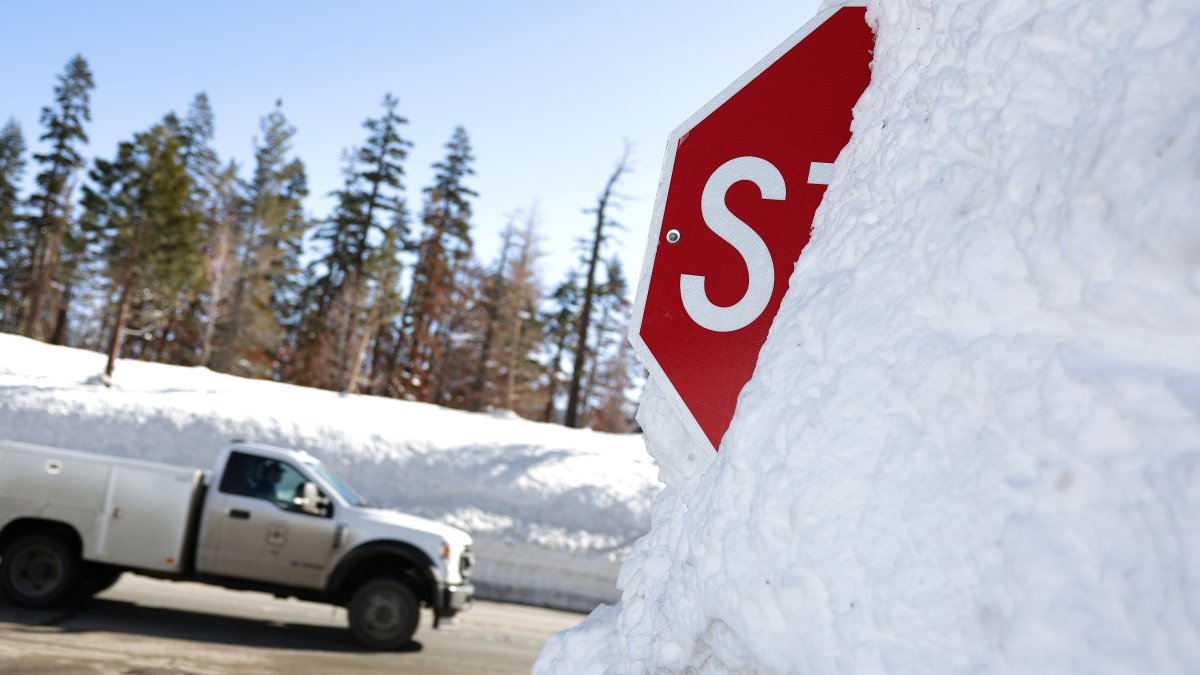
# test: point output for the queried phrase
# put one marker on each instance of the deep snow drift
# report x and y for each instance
(972, 442)
(553, 511)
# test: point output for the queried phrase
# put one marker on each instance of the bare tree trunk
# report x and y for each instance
(389, 370)
(118, 331)
(356, 274)
(216, 290)
(377, 378)
(585, 317)
(233, 332)
(558, 352)
(350, 383)
(160, 350)
(45, 263)
(421, 339)
(589, 387)
(46, 260)
(59, 337)
(518, 325)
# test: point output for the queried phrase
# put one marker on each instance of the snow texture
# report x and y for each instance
(972, 441)
(553, 511)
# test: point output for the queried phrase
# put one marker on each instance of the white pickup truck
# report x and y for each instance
(266, 519)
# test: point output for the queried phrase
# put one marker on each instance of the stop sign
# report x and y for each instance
(740, 183)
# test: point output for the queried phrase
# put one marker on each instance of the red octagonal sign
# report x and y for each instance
(740, 184)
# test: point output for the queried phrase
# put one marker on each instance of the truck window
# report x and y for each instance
(262, 478)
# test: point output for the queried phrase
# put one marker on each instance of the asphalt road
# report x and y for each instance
(147, 627)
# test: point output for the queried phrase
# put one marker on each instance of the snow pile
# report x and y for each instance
(972, 443)
(553, 511)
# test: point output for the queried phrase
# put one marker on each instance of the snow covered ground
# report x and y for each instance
(972, 442)
(553, 511)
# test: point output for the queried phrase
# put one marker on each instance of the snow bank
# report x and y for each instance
(553, 511)
(972, 443)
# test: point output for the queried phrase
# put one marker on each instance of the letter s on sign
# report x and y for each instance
(749, 245)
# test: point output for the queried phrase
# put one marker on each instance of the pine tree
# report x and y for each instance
(508, 301)
(225, 216)
(559, 322)
(138, 218)
(188, 328)
(12, 235)
(354, 285)
(52, 202)
(525, 296)
(442, 253)
(599, 236)
(195, 134)
(493, 296)
(269, 248)
(314, 340)
(374, 265)
(456, 339)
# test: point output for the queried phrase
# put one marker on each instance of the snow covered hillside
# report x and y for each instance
(553, 511)
(972, 441)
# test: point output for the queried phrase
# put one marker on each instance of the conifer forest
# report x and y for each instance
(164, 251)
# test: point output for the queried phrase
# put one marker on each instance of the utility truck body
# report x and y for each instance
(266, 518)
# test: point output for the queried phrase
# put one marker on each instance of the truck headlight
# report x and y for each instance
(466, 564)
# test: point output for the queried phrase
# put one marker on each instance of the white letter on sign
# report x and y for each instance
(739, 235)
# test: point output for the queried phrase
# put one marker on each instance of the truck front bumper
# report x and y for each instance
(452, 599)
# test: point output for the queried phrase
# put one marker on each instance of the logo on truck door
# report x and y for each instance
(277, 535)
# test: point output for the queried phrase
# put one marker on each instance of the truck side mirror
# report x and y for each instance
(311, 501)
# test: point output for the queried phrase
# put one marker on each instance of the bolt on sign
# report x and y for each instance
(741, 181)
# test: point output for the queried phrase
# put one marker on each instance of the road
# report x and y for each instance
(148, 627)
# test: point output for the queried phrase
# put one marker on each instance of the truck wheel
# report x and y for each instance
(383, 614)
(39, 570)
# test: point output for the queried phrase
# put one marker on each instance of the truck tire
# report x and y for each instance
(383, 614)
(39, 569)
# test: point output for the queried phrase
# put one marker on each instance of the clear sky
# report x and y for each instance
(548, 91)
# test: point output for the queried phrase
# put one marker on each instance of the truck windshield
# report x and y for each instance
(342, 487)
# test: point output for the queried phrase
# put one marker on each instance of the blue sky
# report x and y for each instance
(548, 91)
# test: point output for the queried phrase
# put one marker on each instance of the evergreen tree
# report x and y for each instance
(314, 343)
(559, 322)
(374, 265)
(12, 235)
(443, 251)
(524, 297)
(225, 216)
(354, 284)
(599, 236)
(493, 296)
(138, 218)
(508, 301)
(269, 247)
(457, 338)
(195, 134)
(52, 201)
(188, 328)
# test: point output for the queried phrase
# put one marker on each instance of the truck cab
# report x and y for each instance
(265, 518)
(279, 516)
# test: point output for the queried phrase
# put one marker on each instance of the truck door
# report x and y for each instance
(253, 529)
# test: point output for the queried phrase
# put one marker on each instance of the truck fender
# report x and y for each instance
(371, 560)
(26, 525)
